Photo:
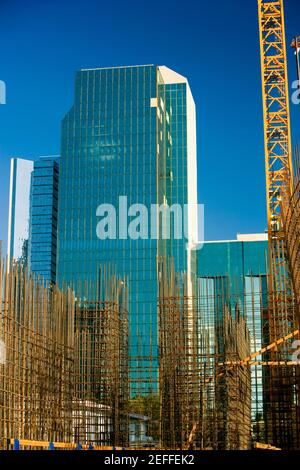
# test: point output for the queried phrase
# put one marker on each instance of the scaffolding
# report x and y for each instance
(271, 399)
(291, 227)
(64, 365)
(101, 397)
(36, 363)
(291, 222)
(224, 340)
(179, 379)
(205, 392)
(280, 316)
(63, 361)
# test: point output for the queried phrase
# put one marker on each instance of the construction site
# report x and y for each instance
(227, 373)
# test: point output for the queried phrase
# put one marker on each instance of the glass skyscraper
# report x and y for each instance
(130, 134)
(43, 218)
(18, 212)
(33, 203)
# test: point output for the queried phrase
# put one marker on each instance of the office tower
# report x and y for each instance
(232, 276)
(18, 212)
(43, 218)
(130, 134)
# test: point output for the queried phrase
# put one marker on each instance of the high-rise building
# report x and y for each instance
(43, 218)
(129, 138)
(18, 212)
(232, 276)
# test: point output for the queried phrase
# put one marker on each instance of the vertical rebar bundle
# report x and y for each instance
(224, 341)
(36, 364)
(291, 227)
(63, 362)
(233, 386)
(101, 366)
(64, 365)
(205, 392)
(179, 382)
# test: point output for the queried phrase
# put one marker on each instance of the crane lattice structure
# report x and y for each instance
(280, 382)
(277, 130)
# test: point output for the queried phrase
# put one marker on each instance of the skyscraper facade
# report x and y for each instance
(128, 143)
(43, 218)
(18, 212)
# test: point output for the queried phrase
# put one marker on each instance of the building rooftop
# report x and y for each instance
(247, 237)
(116, 67)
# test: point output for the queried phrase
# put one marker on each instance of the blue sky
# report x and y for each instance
(215, 44)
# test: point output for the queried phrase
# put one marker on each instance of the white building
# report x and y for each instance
(19, 204)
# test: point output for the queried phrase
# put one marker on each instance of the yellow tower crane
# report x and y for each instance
(280, 384)
(277, 131)
(281, 318)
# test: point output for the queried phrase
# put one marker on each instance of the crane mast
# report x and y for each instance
(280, 317)
(277, 130)
(278, 150)
(280, 383)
